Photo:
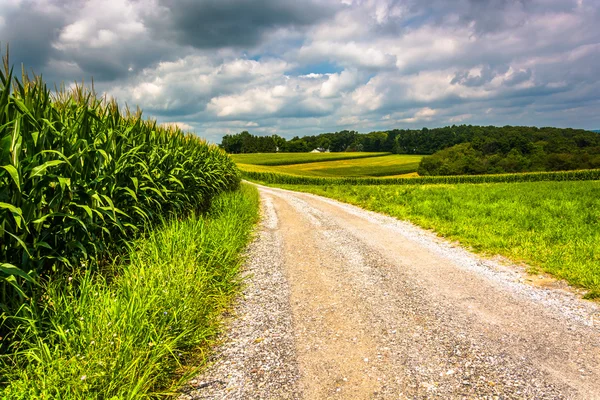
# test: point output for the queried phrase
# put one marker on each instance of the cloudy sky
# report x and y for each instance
(296, 67)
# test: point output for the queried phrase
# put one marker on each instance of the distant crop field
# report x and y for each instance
(297, 158)
(384, 165)
(268, 175)
(551, 226)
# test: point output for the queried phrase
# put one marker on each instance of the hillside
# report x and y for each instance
(455, 150)
(514, 149)
(375, 165)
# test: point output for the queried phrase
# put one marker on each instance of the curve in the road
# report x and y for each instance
(346, 303)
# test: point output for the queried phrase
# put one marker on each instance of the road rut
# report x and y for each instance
(374, 308)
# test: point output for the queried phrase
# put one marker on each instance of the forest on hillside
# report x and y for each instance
(454, 150)
(489, 150)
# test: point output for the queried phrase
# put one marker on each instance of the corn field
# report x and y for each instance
(279, 178)
(79, 177)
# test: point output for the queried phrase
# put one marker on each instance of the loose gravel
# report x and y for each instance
(257, 359)
(350, 304)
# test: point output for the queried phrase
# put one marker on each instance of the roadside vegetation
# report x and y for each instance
(141, 331)
(380, 165)
(550, 226)
(119, 245)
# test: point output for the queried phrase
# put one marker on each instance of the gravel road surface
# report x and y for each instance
(344, 303)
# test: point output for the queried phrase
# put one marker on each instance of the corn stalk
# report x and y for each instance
(79, 178)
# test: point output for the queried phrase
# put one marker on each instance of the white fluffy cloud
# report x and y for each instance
(338, 83)
(102, 24)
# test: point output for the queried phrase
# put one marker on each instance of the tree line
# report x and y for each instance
(456, 149)
(508, 149)
(245, 142)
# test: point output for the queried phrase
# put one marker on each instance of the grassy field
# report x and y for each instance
(551, 226)
(297, 158)
(125, 336)
(383, 165)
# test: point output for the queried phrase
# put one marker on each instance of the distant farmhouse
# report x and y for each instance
(320, 150)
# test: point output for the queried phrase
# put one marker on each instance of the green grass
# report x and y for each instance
(297, 158)
(551, 226)
(374, 166)
(123, 335)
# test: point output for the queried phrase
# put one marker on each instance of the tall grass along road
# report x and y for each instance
(140, 333)
(120, 242)
(383, 309)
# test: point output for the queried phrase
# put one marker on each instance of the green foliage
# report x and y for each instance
(79, 178)
(298, 158)
(490, 139)
(516, 149)
(280, 178)
(244, 142)
(124, 337)
(551, 226)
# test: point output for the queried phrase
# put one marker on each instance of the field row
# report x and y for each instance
(281, 178)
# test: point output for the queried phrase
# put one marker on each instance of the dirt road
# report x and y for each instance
(349, 304)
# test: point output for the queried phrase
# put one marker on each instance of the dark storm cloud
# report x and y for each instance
(112, 64)
(237, 23)
(100, 66)
(30, 32)
(487, 16)
(518, 77)
(487, 73)
(485, 76)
